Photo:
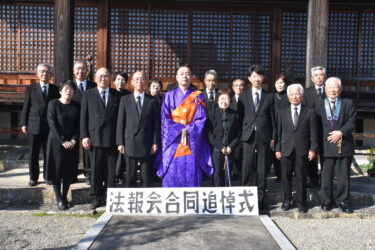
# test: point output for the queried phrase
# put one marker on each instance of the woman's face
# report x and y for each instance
(154, 89)
(120, 82)
(67, 92)
(280, 85)
(223, 101)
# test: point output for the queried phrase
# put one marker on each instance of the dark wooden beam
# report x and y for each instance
(317, 36)
(63, 41)
(277, 17)
(102, 43)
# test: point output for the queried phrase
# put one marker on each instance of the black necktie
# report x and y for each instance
(295, 117)
(319, 93)
(44, 91)
(256, 103)
(211, 97)
(333, 107)
(81, 87)
(103, 98)
(139, 106)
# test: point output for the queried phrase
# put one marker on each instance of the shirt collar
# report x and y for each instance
(106, 90)
(141, 95)
(255, 90)
(321, 87)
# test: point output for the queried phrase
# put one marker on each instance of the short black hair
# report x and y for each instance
(224, 91)
(257, 69)
(69, 83)
(158, 81)
(122, 74)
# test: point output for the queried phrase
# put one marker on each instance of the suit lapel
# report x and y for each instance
(108, 108)
(99, 104)
(289, 115)
(262, 98)
(251, 100)
(39, 94)
(302, 114)
(145, 107)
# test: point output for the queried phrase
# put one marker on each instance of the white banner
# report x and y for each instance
(183, 201)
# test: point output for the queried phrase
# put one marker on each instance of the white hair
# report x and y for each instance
(313, 69)
(49, 66)
(210, 72)
(295, 86)
(331, 79)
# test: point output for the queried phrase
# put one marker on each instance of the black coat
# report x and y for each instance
(263, 119)
(234, 103)
(215, 126)
(301, 139)
(78, 94)
(99, 122)
(34, 111)
(138, 133)
(310, 97)
(209, 106)
(345, 123)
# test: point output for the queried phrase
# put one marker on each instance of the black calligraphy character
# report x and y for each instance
(227, 201)
(135, 202)
(117, 203)
(172, 205)
(153, 199)
(245, 196)
(191, 201)
(212, 204)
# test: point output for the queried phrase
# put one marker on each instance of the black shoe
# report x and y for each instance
(326, 207)
(285, 206)
(302, 209)
(48, 182)
(345, 207)
(67, 203)
(262, 206)
(97, 204)
(313, 183)
(33, 183)
(61, 205)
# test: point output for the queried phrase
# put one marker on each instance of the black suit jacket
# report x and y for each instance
(98, 122)
(215, 126)
(263, 119)
(78, 94)
(345, 123)
(138, 133)
(34, 111)
(124, 92)
(302, 138)
(208, 104)
(310, 97)
(233, 103)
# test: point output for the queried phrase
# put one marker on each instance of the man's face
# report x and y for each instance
(120, 82)
(138, 82)
(102, 78)
(80, 71)
(238, 86)
(295, 96)
(256, 80)
(318, 77)
(44, 74)
(333, 89)
(210, 81)
(183, 77)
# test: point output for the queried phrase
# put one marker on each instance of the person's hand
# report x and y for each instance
(67, 144)
(86, 143)
(73, 143)
(312, 155)
(278, 155)
(334, 136)
(121, 149)
(24, 130)
(272, 144)
(154, 149)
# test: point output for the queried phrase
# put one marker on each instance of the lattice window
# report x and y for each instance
(251, 42)
(342, 44)
(293, 43)
(8, 39)
(37, 32)
(169, 39)
(367, 66)
(85, 30)
(129, 39)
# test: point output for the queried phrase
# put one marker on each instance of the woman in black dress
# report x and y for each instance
(62, 147)
(155, 86)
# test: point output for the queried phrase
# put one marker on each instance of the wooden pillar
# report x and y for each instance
(103, 27)
(277, 16)
(317, 36)
(63, 41)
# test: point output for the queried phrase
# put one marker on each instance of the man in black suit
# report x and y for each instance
(138, 131)
(99, 109)
(255, 108)
(237, 86)
(210, 79)
(338, 122)
(34, 118)
(80, 71)
(312, 97)
(297, 144)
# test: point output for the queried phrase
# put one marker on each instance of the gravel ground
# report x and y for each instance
(332, 233)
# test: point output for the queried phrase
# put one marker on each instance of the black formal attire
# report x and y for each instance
(238, 153)
(258, 129)
(98, 122)
(77, 97)
(280, 100)
(174, 85)
(209, 98)
(224, 131)
(335, 162)
(63, 120)
(138, 128)
(297, 135)
(34, 117)
(124, 92)
(312, 98)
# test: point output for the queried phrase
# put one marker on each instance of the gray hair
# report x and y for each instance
(49, 66)
(331, 79)
(313, 69)
(81, 61)
(210, 72)
(295, 86)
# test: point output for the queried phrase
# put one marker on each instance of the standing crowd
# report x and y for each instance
(186, 136)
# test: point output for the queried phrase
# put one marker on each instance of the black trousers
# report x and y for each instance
(276, 165)
(256, 160)
(340, 166)
(313, 167)
(36, 142)
(103, 162)
(298, 165)
(86, 162)
(220, 176)
(131, 171)
(237, 161)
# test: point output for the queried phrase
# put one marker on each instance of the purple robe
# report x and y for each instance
(183, 171)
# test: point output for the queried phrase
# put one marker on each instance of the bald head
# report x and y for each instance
(238, 86)
(138, 82)
(183, 77)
